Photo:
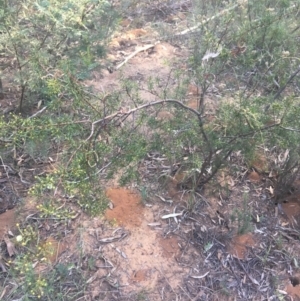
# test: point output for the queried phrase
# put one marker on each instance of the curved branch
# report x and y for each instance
(122, 112)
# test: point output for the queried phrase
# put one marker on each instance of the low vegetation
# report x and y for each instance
(247, 52)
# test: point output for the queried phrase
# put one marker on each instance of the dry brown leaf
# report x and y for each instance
(171, 215)
(271, 189)
(225, 180)
(230, 181)
(286, 155)
(254, 177)
(210, 55)
(199, 277)
(203, 229)
(3, 292)
(154, 224)
(273, 174)
(3, 268)
(10, 247)
(219, 254)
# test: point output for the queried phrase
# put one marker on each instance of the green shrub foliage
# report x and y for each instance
(244, 56)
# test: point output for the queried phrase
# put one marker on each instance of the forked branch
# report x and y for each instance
(122, 113)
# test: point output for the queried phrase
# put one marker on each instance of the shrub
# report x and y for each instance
(46, 44)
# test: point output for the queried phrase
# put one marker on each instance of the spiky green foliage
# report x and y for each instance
(49, 42)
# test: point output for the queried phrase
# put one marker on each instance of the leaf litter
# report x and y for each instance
(193, 254)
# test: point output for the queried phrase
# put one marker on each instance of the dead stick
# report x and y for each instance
(210, 19)
(122, 113)
(133, 54)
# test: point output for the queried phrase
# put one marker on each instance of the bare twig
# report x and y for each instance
(247, 274)
(122, 113)
(38, 112)
(223, 12)
(286, 84)
(1, 90)
(289, 129)
(236, 277)
(23, 86)
(134, 54)
(252, 132)
(163, 274)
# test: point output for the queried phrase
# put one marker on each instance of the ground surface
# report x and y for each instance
(175, 245)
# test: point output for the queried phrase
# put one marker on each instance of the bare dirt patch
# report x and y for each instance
(53, 249)
(154, 63)
(293, 287)
(127, 207)
(145, 257)
(169, 246)
(290, 207)
(133, 254)
(7, 221)
(260, 162)
(132, 248)
(140, 275)
(254, 177)
(240, 244)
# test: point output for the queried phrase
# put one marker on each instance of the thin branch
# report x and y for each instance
(133, 54)
(79, 93)
(86, 11)
(214, 171)
(38, 112)
(122, 113)
(19, 67)
(23, 86)
(285, 85)
(289, 129)
(212, 18)
(41, 45)
(252, 132)
(1, 90)
(15, 48)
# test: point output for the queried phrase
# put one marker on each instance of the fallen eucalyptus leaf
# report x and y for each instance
(210, 55)
(200, 277)
(154, 224)
(282, 292)
(10, 247)
(171, 215)
(2, 266)
(113, 238)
